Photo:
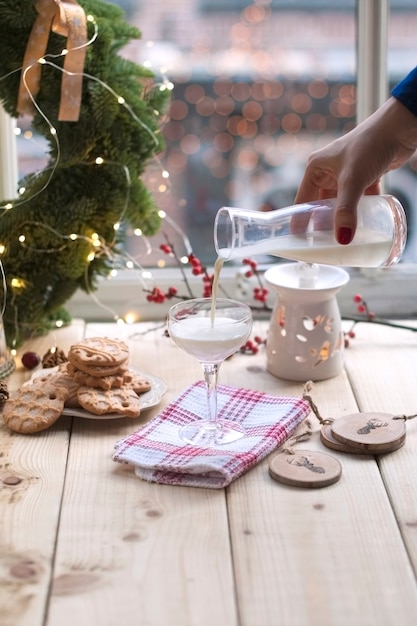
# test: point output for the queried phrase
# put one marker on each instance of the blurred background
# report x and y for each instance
(256, 87)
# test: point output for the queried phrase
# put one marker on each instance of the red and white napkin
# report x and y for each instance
(159, 455)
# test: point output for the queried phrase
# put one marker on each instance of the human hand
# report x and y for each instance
(353, 164)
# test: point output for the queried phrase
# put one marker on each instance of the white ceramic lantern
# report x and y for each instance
(305, 338)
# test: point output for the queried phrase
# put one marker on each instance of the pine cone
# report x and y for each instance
(53, 357)
(4, 394)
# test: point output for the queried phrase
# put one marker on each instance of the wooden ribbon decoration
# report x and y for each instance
(68, 19)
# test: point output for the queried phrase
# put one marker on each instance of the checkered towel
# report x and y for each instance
(159, 455)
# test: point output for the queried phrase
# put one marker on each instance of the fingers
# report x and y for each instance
(307, 191)
(345, 223)
(345, 218)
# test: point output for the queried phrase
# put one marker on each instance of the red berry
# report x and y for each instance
(194, 262)
(357, 298)
(30, 360)
(361, 308)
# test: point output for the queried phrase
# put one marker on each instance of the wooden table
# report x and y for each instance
(84, 542)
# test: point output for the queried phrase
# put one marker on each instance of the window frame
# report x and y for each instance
(388, 291)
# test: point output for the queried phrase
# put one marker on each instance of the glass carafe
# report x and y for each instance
(304, 232)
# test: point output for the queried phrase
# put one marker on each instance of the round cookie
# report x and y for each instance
(97, 371)
(34, 408)
(98, 352)
(86, 380)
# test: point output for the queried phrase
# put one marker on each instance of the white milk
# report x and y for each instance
(368, 249)
(208, 342)
(215, 286)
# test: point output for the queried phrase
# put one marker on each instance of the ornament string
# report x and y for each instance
(305, 435)
(308, 387)
(325, 421)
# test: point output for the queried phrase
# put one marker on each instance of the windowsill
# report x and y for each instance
(390, 293)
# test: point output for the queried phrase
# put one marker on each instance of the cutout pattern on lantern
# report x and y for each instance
(305, 338)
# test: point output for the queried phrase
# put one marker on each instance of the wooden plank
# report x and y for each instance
(32, 473)
(317, 557)
(382, 366)
(131, 552)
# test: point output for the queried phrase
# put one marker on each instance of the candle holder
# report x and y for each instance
(305, 338)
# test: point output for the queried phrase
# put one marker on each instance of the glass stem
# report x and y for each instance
(211, 372)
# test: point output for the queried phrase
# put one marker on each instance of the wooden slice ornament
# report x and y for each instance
(305, 468)
(370, 433)
(326, 437)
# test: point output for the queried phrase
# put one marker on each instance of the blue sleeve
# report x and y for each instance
(406, 91)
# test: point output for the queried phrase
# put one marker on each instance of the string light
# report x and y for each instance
(100, 246)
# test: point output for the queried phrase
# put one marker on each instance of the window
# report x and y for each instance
(257, 86)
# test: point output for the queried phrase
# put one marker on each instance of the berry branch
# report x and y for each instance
(366, 315)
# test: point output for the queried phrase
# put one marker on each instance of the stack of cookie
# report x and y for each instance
(96, 378)
(99, 366)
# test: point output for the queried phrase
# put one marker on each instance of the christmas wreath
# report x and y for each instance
(61, 233)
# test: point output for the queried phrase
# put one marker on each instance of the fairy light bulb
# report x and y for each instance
(99, 161)
(73, 236)
(17, 283)
(2, 249)
(22, 238)
(91, 257)
(95, 239)
(131, 317)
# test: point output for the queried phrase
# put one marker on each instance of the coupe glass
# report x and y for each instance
(211, 331)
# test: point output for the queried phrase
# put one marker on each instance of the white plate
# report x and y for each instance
(147, 400)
